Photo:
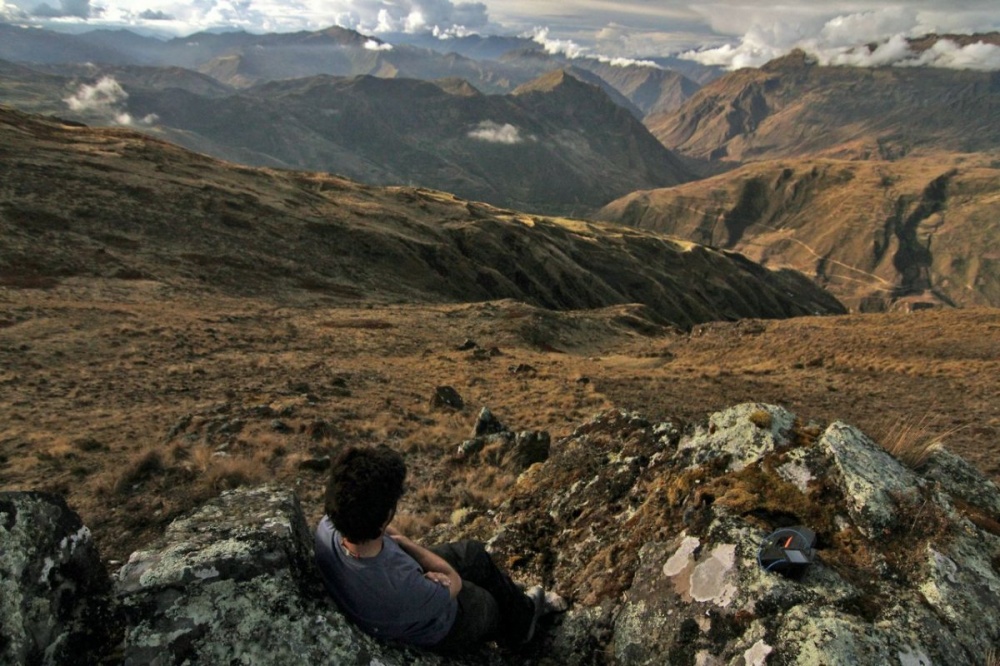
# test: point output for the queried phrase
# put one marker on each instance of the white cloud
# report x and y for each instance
(374, 45)
(448, 17)
(417, 16)
(493, 132)
(105, 99)
(731, 33)
(66, 8)
(573, 51)
(950, 55)
(843, 40)
(11, 12)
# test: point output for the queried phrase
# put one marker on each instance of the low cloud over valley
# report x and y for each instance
(105, 99)
(492, 132)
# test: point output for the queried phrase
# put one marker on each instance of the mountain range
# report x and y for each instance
(881, 183)
(112, 203)
(878, 182)
(538, 148)
(794, 106)
(239, 59)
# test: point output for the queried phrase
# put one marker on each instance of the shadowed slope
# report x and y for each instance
(113, 203)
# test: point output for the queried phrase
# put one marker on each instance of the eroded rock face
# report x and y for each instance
(235, 583)
(54, 592)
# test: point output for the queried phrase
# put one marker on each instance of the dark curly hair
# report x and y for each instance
(364, 487)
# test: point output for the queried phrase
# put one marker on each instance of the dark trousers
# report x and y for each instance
(490, 605)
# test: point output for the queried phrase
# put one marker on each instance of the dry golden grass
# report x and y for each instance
(120, 372)
(992, 657)
(141, 467)
(227, 472)
(912, 441)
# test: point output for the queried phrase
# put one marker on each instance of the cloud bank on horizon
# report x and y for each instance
(726, 33)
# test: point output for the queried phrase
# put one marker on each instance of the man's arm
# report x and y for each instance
(438, 570)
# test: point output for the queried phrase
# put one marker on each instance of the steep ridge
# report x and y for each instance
(565, 149)
(650, 90)
(793, 106)
(87, 202)
(917, 231)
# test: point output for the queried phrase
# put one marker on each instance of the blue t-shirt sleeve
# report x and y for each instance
(424, 597)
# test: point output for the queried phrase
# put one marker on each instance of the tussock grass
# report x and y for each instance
(228, 472)
(141, 467)
(913, 441)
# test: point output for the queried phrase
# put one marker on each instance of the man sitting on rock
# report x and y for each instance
(450, 598)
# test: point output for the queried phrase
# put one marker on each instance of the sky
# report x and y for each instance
(730, 33)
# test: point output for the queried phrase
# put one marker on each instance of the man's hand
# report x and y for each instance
(438, 577)
(435, 568)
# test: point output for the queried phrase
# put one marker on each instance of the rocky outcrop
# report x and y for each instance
(54, 594)
(502, 446)
(666, 525)
(235, 583)
(653, 529)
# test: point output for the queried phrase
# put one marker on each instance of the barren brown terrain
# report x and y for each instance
(171, 326)
(137, 402)
(878, 234)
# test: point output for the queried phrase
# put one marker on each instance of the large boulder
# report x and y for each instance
(54, 593)
(235, 583)
(666, 524)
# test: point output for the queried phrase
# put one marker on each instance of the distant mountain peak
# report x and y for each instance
(457, 86)
(795, 59)
(550, 81)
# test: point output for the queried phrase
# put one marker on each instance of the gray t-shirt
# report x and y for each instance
(386, 595)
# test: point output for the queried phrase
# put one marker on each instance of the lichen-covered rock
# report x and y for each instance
(54, 591)
(235, 583)
(869, 476)
(667, 523)
(739, 435)
(530, 447)
(962, 481)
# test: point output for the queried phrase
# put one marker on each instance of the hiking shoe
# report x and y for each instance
(554, 603)
(537, 596)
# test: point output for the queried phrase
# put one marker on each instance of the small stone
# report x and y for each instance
(262, 411)
(319, 464)
(180, 426)
(487, 424)
(471, 447)
(467, 345)
(447, 396)
(319, 429)
(277, 425)
(530, 447)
